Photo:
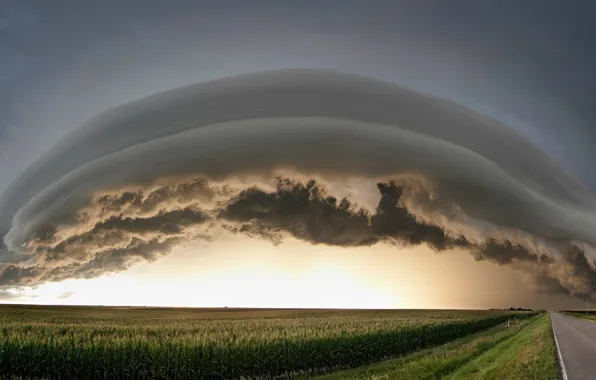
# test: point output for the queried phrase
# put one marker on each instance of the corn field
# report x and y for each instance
(143, 343)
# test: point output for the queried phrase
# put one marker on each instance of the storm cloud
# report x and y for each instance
(326, 157)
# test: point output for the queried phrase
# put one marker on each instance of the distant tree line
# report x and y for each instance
(513, 309)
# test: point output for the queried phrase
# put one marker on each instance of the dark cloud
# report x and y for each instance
(12, 274)
(8, 296)
(307, 213)
(303, 210)
(395, 221)
(582, 267)
(547, 285)
(362, 162)
(506, 252)
(171, 222)
(109, 260)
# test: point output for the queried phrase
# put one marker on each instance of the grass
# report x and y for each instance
(521, 351)
(127, 343)
(529, 354)
(590, 316)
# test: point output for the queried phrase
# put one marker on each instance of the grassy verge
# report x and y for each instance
(529, 354)
(589, 317)
(522, 351)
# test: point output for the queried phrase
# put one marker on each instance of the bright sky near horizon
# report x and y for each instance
(240, 272)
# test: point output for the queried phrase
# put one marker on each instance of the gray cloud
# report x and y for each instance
(106, 241)
(532, 65)
(134, 182)
(7, 296)
(65, 295)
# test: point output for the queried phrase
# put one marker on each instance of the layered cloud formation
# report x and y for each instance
(326, 157)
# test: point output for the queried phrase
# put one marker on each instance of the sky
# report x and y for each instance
(381, 102)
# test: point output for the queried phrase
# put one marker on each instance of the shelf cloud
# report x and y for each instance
(322, 156)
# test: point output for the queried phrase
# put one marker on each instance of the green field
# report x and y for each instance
(162, 343)
(522, 351)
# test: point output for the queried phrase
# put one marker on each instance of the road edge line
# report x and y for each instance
(563, 371)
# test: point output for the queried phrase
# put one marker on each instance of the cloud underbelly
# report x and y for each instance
(119, 192)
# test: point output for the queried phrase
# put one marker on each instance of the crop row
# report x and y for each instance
(281, 348)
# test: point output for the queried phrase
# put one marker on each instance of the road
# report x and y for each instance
(577, 343)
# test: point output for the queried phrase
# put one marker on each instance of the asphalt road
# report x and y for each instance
(577, 343)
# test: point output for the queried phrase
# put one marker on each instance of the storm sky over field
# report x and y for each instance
(351, 154)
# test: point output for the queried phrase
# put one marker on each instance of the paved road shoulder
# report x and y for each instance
(577, 342)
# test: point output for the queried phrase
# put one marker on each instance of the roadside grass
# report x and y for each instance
(523, 351)
(529, 354)
(589, 317)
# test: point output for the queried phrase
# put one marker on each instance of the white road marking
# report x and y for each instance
(564, 372)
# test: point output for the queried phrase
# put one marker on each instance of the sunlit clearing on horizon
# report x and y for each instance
(241, 272)
(234, 274)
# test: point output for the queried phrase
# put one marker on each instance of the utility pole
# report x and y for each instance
(591, 287)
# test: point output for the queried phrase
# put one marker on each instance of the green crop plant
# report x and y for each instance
(116, 343)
